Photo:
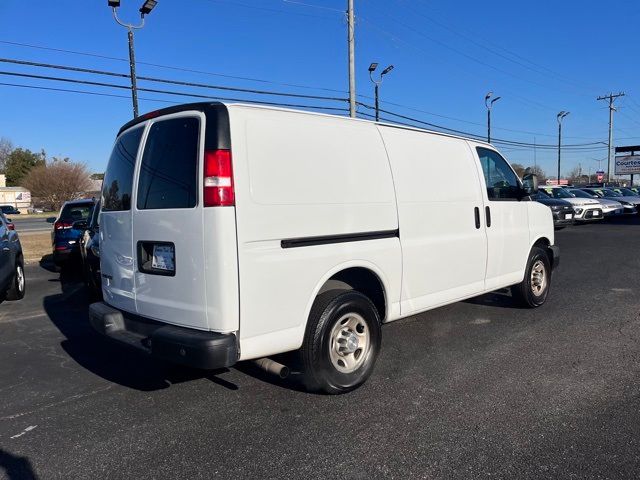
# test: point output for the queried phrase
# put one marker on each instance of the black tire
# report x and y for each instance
(320, 371)
(529, 293)
(18, 283)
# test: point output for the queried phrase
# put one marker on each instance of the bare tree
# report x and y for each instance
(58, 182)
(6, 147)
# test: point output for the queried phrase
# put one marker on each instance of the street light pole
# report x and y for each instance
(146, 8)
(489, 105)
(132, 69)
(560, 116)
(377, 83)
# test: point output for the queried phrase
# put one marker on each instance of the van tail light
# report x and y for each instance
(218, 179)
(61, 225)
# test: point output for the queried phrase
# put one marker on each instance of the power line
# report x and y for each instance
(67, 90)
(162, 80)
(472, 38)
(168, 67)
(461, 53)
(167, 92)
(267, 9)
(292, 105)
(577, 146)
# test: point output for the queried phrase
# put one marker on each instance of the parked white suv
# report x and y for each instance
(236, 232)
(586, 209)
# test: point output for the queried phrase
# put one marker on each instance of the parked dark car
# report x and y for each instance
(561, 210)
(9, 210)
(90, 253)
(68, 229)
(12, 280)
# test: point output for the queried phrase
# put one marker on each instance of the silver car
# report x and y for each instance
(629, 203)
(610, 208)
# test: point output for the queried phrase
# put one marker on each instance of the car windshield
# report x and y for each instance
(611, 193)
(626, 192)
(558, 193)
(76, 211)
(580, 194)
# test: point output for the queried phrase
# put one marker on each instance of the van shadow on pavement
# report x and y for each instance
(68, 311)
(15, 467)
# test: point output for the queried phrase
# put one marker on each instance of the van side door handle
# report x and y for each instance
(487, 212)
(476, 211)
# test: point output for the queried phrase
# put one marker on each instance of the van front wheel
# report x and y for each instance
(532, 292)
(341, 343)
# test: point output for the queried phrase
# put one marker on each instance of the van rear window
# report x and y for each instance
(116, 186)
(75, 212)
(169, 169)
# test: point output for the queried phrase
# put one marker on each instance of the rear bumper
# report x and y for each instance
(186, 346)
(555, 256)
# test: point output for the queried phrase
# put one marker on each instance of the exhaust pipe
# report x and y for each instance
(272, 367)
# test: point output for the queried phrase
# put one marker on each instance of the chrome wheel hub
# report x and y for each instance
(349, 343)
(20, 278)
(538, 278)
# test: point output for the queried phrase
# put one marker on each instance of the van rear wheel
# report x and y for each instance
(532, 292)
(342, 342)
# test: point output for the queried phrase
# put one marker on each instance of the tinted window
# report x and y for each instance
(116, 186)
(502, 182)
(169, 169)
(75, 212)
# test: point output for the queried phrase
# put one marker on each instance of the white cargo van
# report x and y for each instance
(237, 232)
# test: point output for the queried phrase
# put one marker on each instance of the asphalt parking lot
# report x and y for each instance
(478, 389)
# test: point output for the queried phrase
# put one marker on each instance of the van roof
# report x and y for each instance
(212, 106)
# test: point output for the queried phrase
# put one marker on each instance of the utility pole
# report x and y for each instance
(611, 97)
(351, 38)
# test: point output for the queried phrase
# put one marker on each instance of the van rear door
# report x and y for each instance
(116, 259)
(168, 239)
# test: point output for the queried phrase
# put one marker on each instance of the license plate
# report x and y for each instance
(596, 213)
(567, 216)
(163, 257)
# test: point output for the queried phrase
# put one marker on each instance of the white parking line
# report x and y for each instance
(28, 429)
(4, 318)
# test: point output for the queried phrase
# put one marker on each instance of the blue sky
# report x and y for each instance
(540, 57)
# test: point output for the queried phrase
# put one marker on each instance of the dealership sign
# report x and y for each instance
(627, 165)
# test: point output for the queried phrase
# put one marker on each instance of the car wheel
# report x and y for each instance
(532, 292)
(342, 342)
(18, 284)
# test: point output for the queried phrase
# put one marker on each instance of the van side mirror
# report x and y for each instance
(530, 184)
